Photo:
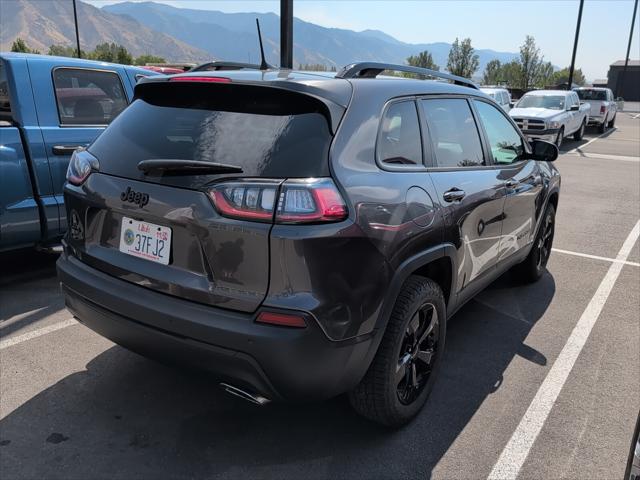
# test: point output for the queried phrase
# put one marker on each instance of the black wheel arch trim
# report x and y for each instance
(402, 273)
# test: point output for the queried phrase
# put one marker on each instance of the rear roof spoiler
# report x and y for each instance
(332, 105)
(373, 69)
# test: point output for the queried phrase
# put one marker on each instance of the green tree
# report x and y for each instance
(492, 73)
(462, 61)
(146, 59)
(562, 76)
(64, 51)
(423, 60)
(512, 73)
(530, 63)
(111, 52)
(19, 45)
(545, 75)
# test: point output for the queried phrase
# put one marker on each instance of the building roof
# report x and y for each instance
(620, 63)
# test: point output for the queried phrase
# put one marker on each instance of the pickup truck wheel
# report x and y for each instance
(532, 268)
(580, 132)
(603, 126)
(403, 372)
(612, 122)
(560, 138)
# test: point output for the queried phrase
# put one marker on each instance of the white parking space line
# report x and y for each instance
(577, 149)
(603, 156)
(636, 116)
(9, 342)
(596, 257)
(517, 449)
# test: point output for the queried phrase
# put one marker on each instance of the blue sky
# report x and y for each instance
(499, 25)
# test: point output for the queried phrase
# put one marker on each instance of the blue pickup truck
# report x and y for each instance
(49, 106)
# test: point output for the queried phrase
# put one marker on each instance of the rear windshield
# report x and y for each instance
(266, 132)
(592, 94)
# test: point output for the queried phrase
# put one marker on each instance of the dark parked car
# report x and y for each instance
(303, 235)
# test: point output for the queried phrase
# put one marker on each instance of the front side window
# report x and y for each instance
(400, 142)
(506, 144)
(553, 102)
(453, 132)
(88, 97)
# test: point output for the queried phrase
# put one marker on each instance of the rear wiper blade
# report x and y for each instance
(185, 166)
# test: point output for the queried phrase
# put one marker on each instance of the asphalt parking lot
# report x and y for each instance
(540, 380)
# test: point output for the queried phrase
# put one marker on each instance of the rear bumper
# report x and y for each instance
(596, 120)
(278, 362)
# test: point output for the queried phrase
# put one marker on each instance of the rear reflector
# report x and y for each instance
(201, 79)
(282, 319)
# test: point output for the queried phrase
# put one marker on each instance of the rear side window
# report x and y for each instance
(5, 104)
(88, 97)
(399, 142)
(453, 132)
(267, 132)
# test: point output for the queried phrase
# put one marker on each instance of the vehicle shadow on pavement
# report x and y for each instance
(28, 289)
(128, 417)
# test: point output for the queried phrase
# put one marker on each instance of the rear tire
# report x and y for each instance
(533, 267)
(577, 136)
(602, 127)
(612, 122)
(560, 138)
(402, 374)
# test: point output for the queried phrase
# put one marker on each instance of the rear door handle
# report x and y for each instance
(65, 149)
(453, 195)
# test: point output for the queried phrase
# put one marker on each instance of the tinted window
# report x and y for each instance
(270, 136)
(399, 141)
(453, 133)
(5, 106)
(592, 94)
(506, 144)
(88, 97)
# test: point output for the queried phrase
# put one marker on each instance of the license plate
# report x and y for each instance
(145, 240)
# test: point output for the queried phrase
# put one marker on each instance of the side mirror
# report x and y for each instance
(543, 151)
(574, 108)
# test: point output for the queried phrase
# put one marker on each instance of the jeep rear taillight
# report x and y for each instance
(313, 200)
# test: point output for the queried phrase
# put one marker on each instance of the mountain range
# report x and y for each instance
(182, 34)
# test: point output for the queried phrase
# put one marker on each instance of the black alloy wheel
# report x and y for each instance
(545, 241)
(417, 353)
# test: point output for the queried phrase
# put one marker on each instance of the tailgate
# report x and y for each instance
(213, 260)
(266, 134)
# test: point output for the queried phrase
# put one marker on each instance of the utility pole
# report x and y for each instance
(286, 33)
(626, 58)
(75, 19)
(575, 46)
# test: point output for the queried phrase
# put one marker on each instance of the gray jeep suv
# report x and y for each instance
(301, 235)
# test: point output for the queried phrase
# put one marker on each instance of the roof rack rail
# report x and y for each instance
(373, 69)
(215, 66)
